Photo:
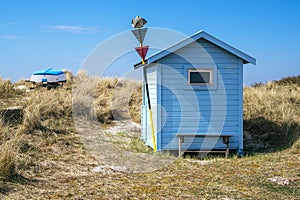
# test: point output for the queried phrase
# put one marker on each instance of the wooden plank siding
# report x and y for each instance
(151, 73)
(180, 108)
(192, 110)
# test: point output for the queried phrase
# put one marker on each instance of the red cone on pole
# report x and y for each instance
(142, 51)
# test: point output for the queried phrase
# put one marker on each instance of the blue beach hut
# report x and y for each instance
(196, 95)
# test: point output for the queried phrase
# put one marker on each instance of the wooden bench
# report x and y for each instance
(224, 136)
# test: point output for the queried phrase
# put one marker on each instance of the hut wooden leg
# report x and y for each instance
(226, 142)
(179, 145)
(227, 150)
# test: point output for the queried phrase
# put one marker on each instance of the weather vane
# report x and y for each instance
(140, 32)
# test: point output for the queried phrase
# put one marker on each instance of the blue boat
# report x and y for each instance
(48, 76)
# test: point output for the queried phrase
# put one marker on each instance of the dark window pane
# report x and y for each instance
(199, 77)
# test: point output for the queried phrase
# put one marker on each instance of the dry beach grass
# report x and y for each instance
(272, 114)
(43, 157)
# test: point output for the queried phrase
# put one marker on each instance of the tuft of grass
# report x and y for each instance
(135, 103)
(4, 131)
(272, 115)
(129, 143)
(106, 99)
(7, 159)
(7, 89)
(69, 80)
(10, 142)
(9, 147)
(290, 80)
(117, 99)
(46, 109)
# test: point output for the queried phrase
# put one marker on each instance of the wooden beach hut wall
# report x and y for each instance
(195, 87)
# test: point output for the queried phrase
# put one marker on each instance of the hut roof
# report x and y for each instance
(201, 34)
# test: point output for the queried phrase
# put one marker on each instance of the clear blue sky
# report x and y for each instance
(35, 34)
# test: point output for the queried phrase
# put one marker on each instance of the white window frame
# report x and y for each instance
(199, 70)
